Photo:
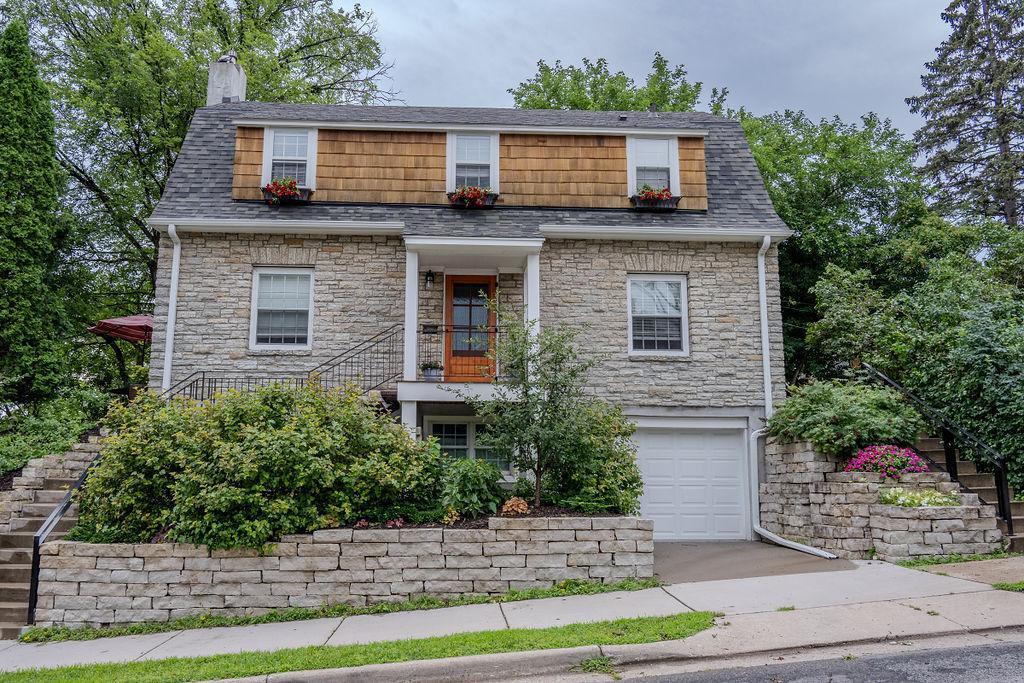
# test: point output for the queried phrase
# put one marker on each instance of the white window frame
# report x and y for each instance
(673, 162)
(472, 421)
(253, 310)
(268, 154)
(450, 147)
(684, 304)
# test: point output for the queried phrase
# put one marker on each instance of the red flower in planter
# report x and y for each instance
(470, 195)
(648, 193)
(281, 189)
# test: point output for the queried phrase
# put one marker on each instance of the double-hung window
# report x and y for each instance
(472, 161)
(459, 439)
(282, 308)
(657, 314)
(290, 153)
(653, 162)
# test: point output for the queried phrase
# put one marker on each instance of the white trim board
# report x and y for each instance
(283, 226)
(470, 128)
(684, 234)
(525, 243)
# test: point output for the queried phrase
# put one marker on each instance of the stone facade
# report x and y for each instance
(99, 584)
(806, 498)
(359, 290)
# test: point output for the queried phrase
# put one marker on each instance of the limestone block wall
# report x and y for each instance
(805, 497)
(102, 584)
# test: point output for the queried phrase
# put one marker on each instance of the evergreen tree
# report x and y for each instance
(973, 106)
(31, 316)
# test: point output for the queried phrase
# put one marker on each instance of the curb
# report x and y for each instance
(534, 663)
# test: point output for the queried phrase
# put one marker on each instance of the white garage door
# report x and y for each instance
(695, 483)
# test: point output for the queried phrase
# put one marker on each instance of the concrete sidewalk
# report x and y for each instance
(872, 601)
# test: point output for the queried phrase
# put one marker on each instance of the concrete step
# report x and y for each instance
(975, 482)
(43, 510)
(14, 611)
(14, 592)
(17, 539)
(20, 556)
(1015, 543)
(929, 443)
(33, 523)
(10, 630)
(16, 573)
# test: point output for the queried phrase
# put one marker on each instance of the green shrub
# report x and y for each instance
(838, 418)
(52, 427)
(915, 498)
(250, 467)
(471, 487)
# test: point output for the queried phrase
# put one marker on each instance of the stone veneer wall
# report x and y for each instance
(806, 498)
(99, 584)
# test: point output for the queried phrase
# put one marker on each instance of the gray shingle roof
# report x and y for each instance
(200, 183)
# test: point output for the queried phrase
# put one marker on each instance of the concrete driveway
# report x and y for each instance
(688, 561)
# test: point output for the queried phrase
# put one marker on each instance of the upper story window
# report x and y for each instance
(654, 162)
(472, 161)
(290, 153)
(657, 314)
(282, 308)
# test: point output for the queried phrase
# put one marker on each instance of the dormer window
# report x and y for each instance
(290, 153)
(472, 161)
(653, 162)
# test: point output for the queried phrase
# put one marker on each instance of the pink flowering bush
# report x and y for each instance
(890, 461)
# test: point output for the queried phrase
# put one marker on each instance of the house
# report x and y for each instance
(379, 280)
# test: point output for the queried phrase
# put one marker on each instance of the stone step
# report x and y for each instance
(33, 523)
(975, 482)
(14, 611)
(962, 466)
(1015, 543)
(17, 539)
(59, 483)
(16, 573)
(10, 630)
(43, 510)
(86, 447)
(52, 497)
(929, 443)
(14, 592)
(20, 556)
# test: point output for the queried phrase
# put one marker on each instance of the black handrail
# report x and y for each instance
(953, 431)
(43, 533)
(371, 364)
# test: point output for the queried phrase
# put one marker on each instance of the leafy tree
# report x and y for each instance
(32, 231)
(593, 86)
(972, 103)
(843, 189)
(540, 418)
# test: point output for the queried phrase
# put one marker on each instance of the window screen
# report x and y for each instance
(657, 314)
(290, 155)
(282, 308)
(652, 159)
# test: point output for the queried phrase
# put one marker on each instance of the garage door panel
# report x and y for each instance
(695, 484)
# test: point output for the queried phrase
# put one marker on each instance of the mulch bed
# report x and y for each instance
(481, 522)
(7, 479)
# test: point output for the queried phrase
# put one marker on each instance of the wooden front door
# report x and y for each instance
(469, 328)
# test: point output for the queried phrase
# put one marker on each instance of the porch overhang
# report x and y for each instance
(446, 392)
(442, 253)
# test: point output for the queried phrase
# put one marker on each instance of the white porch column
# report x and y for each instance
(532, 288)
(409, 417)
(412, 306)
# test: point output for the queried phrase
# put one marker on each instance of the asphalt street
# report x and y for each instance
(1003, 662)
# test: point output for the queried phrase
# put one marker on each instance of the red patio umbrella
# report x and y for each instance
(133, 328)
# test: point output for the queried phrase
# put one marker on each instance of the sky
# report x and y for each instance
(822, 56)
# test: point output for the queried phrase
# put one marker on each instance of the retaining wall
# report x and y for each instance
(805, 497)
(102, 584)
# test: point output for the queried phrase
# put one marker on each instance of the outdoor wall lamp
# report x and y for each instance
(428, 279)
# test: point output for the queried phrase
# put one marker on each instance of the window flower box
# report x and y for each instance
(649, 199)
(472, 198)
(285, 191)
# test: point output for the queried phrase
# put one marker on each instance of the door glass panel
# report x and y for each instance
(470, 318)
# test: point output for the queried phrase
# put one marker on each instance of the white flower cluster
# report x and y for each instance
(915, 498)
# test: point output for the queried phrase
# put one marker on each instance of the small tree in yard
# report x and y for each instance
(540, 418)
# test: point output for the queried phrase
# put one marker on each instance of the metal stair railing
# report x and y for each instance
(952, 434)
(372, 364)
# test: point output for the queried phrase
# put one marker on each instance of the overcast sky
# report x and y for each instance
(823, 56)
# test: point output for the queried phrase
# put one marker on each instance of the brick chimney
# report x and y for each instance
(226, 82)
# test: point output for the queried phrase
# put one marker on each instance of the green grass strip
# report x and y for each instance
(1015, 587)
(619, 632)
(952, 559)
(559, 590)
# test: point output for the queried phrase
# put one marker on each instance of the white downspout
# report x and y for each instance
(769, 410)
(172, 308)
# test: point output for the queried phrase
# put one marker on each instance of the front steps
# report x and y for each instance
(37, 492)
(981, 483)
